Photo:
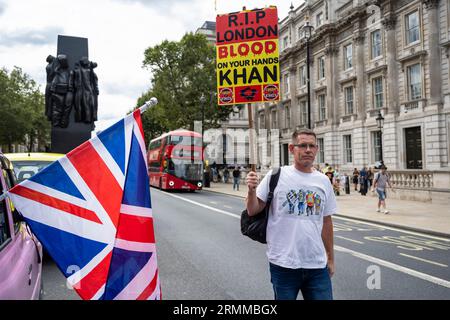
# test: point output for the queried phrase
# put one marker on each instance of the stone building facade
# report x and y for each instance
(366, 57)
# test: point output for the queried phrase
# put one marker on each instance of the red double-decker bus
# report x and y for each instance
(175, 161)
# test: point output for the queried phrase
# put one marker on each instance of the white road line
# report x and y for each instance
(394, 229)
(213, 202)
(424, 260)
(228, 207)
(340, 237)
(396, 267)
(204, 206)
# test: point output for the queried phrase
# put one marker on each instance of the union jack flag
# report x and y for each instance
(92, 211)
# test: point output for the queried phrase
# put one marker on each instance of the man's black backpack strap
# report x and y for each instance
(255, 227)
(273, 184)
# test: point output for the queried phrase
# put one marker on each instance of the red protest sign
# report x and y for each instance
(247, 56)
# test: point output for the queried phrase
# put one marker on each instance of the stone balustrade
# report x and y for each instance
(412, 179)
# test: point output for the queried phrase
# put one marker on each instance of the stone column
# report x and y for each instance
(293, 79)
(331, 53)
(392, 97)
(434, 52)
(358, 40)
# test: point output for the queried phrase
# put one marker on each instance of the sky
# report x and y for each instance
(118, 33)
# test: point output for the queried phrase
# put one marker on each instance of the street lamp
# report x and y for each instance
(307, 31)
(380, 122)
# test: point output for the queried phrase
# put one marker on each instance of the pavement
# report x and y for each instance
(406, 214)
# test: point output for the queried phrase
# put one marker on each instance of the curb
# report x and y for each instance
(398, 226)
(429, 232)
(228, 194)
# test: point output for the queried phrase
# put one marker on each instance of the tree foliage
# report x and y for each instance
(183, 81)
(21, 110)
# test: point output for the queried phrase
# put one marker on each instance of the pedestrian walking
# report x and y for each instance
(363, 181)
(299, 237)
(370, 176)
(326, 168)
(236, 178)
(226, 175)
(214, 171)
(337, 182)
(380, 182)
(355, 178)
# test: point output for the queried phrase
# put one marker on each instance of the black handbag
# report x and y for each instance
(255, 227)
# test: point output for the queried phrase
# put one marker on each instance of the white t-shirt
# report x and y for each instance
(294, 229)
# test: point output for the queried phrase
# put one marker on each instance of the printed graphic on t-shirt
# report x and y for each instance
(302, 202)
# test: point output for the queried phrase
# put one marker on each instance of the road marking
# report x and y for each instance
(396, 267)
(340, 237)
(394, 229)
(213, 202)
(204, 206)
(424, 260)
(228, 207)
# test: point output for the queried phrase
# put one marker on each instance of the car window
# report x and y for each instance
(27, 169)
(10, 182)
(5, 233)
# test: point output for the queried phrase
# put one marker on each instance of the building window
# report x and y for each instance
(262, 121)
(412, 27)
(376, 145)
(321, 153)
(376, 43)
(319, 19)
(378, 92)
(303, 113)
(286, 83)
(414, 82)
(349, 100)
(285, 42)
(300, 33)
(322, 107)
(302, 74)
(348, 148)
(287, 111)
(348, 57)
(321, 67)
(274, 119)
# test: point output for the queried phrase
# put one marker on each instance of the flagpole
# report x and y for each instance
(150, 103)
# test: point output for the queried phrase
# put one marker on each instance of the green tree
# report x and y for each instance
(39, 129)
(22, 110)
(183, 81)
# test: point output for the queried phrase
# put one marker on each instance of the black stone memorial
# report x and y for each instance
(71, 94)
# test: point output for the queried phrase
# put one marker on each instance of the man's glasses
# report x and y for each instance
(305, 146)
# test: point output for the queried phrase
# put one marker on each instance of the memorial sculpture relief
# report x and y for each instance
(50, 70)
(94, 82)
(66, 88)
(61, 93)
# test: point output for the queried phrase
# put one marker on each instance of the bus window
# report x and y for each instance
(154, 166)
(186, 141)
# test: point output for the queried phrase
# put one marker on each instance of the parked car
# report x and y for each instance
(28, 164)
(20, 250)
